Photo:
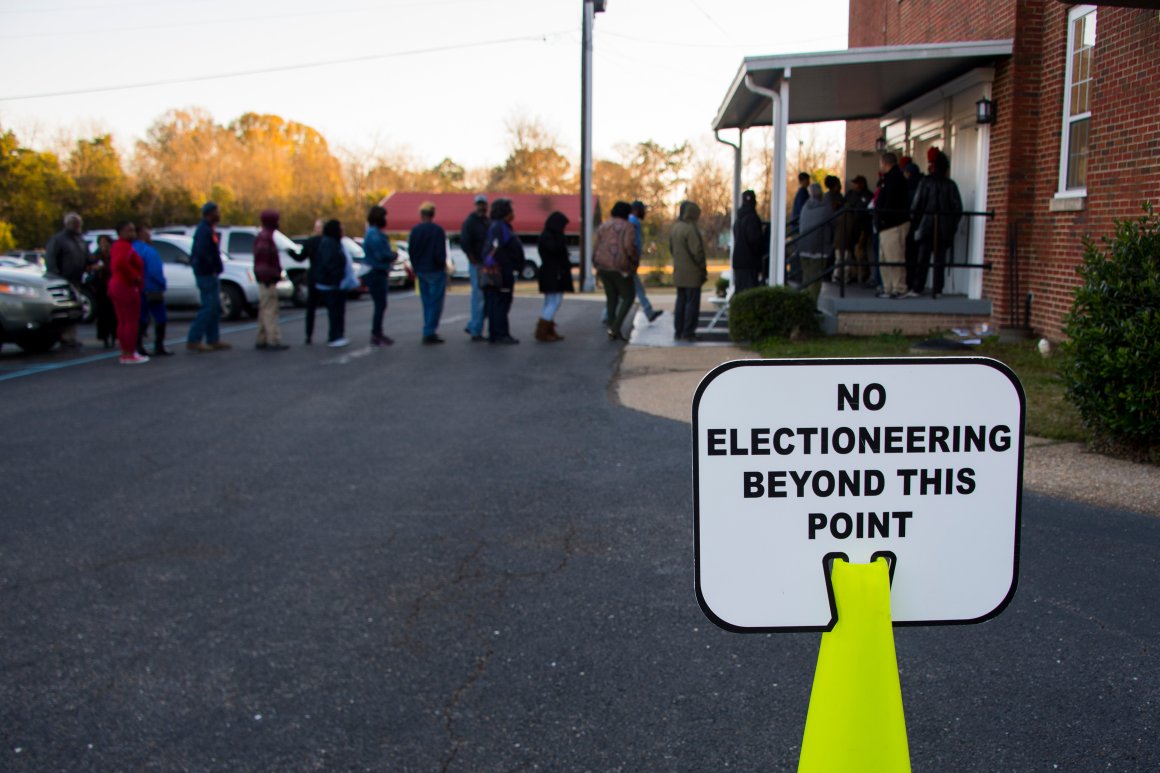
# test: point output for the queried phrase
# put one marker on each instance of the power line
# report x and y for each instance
(705, 13)
(287, 68)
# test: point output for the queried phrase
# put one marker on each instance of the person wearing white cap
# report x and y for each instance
(472, 238)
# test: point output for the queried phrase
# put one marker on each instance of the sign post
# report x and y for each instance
(806, 469)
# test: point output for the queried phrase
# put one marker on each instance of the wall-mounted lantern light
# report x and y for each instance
(984, 111)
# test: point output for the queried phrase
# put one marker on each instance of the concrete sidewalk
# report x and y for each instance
(661, 382)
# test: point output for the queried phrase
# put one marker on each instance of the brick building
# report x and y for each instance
(1076, 139)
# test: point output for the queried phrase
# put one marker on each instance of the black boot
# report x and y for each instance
(159, 349)
(141, 341)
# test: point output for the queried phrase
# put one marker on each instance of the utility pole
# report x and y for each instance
(591, 8)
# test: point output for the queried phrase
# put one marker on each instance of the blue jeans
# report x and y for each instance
(641, 296)
(376, 283)
(432, 288)
(552, 303)
(475, 326)
(206, 324)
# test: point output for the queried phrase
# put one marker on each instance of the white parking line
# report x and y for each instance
(350, 356)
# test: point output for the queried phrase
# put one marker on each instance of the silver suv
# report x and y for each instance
(34, 306)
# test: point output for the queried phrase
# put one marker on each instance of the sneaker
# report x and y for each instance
(432, 339)
(506, 340)
(134, 359)
(883, 294)
(381, 340)
(338, 343)
(656, 313)
(199, 347)
(911, 294)
(219, 346)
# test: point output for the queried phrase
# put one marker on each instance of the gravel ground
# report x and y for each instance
(661, 382)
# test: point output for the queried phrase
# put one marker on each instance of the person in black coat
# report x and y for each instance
(938, 208)
(329, 271)
(749, 248)
(892, 209)
(555, 274)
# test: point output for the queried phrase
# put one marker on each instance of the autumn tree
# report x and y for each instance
(534, 163)
(102, 188)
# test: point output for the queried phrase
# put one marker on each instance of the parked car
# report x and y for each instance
(238, 242)
(34, 306)
(458, 266)
(28, 256)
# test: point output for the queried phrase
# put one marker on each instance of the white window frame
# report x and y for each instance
(1063, 192)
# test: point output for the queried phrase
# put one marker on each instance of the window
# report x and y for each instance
(241, 243)
(170, 253)
(1077, 100)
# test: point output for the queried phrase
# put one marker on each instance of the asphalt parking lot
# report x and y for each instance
(466, 557)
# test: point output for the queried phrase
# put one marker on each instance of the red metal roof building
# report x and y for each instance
(451, 209)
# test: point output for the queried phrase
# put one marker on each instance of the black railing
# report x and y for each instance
(793, 240)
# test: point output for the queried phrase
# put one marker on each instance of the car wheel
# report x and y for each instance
(40, 341)
(233, 302)
(529, 271)
(301, 291)
(88, 306)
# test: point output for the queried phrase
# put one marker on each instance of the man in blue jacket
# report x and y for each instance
(427, 244)
(153, 300)
(206, 262)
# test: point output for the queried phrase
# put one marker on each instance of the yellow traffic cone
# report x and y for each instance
(855, 720)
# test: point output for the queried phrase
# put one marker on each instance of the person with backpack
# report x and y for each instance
(503, 252)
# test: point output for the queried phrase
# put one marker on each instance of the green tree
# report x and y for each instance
(34, 192)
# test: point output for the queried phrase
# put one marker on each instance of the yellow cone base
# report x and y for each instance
(855, 720)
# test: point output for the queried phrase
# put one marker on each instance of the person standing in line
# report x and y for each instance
(97, 278)
(268, 270)
(616, 259)
(689, 271)
(379, 257)
(128, 277)
(313, 299)
(427, 244)
(502, 254)
(67, 256)
(748, 246)
(938, 208)
(152, 295)
(893, 212)
(555, 275)
(329, 271)
(472, 237)
(913, 180)
(206, 261)
(816, 240)
(799, 200)
(636, 216)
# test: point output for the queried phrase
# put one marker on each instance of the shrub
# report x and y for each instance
(1113, 369)
(770, 312)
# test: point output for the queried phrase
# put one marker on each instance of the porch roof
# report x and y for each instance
(852, 84)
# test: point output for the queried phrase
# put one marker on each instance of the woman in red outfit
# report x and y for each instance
(128, 277)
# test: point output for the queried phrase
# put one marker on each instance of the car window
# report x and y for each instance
(170, 253)
(241, 243)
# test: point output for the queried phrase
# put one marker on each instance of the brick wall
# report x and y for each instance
(1124, 167)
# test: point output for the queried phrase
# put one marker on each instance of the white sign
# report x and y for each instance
(798, 461)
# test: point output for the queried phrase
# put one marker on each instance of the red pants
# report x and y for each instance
(127, 303)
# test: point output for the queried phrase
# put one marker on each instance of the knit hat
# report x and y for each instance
(208, 207)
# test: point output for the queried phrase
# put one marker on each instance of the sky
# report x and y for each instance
(430, 78)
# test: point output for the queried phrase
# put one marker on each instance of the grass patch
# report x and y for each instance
(1049, 414)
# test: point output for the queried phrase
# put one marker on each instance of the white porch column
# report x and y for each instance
(780, 100)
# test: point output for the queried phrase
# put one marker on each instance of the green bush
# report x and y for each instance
(770, 312)
(1113, 369)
